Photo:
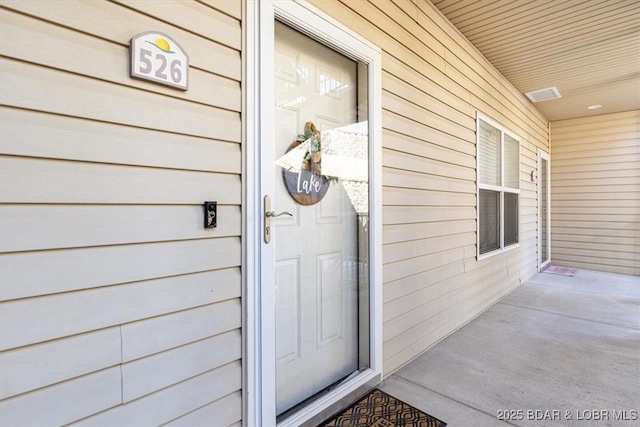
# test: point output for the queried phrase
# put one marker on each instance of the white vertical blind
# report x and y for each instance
(489, 154)
(511, 162)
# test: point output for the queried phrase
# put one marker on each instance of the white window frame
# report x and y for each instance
(259, 308)
(501, 189)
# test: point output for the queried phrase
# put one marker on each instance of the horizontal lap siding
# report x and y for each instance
(433, 82)
(116, 306)
(595, 193)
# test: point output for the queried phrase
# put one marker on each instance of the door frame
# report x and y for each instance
(543, 155)
(259, 382)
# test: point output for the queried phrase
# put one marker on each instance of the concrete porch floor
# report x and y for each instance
(567, 347)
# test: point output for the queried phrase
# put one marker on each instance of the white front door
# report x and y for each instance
(544, 211)
(316, 249)
(314, 298)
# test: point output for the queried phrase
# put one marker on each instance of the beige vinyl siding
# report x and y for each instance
(116, 306)
(434, 81)
(595, 193)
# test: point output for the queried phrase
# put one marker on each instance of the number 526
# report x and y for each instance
(160, 66)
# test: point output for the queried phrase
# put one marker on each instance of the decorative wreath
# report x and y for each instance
(313, 148)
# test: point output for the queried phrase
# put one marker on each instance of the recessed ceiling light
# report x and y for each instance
(594, 107)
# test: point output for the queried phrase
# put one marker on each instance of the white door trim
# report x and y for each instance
(259, 298)
(544, 155)
(251, 225)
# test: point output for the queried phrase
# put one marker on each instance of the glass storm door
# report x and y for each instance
(318, 225)
(544, 214)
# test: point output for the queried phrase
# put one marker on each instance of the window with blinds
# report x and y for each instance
(498, 187)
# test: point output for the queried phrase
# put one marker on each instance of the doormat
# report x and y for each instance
(561, 271)
(378, 409)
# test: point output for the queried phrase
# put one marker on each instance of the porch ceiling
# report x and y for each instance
(588, 49)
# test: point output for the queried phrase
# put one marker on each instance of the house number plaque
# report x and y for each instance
(158, 58)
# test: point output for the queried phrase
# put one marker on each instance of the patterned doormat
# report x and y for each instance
(378, 409)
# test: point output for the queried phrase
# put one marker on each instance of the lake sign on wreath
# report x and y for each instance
(304, 180)
(305, 187)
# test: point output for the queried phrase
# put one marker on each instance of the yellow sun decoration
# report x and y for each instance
(163, 44)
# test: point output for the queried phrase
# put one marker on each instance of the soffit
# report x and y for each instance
(588, 49)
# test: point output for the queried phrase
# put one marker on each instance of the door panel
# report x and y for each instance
(330, 298)
(288, 324)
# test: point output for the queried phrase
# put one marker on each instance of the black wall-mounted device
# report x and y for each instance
(210, 214)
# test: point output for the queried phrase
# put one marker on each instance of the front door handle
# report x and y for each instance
(268, 214)
(273, 214)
